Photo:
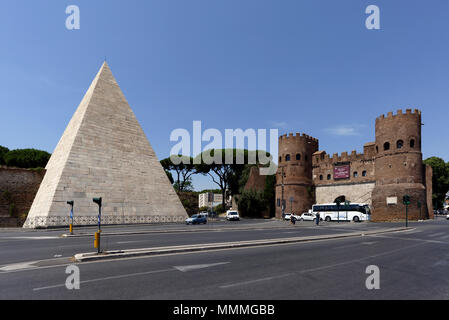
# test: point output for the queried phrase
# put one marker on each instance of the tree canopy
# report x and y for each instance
(440, 180)
(184, 171)
(26, 158)
(227, 168)
(3, 151)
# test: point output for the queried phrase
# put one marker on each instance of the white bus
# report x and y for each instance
(352, 212)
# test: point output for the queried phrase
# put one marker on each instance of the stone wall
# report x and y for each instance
(18, 188)
(429, 190)
(354, 192)
(361, 167)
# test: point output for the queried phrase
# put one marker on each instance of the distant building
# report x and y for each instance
(209, 199)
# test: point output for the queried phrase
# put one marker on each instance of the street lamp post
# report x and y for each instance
(283, 202)
(97, 234)
(419, 206)
(347, 203)
(406, 201)
(71, 216)
(338, 210)
(291, 206)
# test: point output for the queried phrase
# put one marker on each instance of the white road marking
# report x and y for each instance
(18, 266)
(30, 238)
(357, 260)
(434, 235)
(254, 281)
(198, 266)
(124, 242)
(107, 278)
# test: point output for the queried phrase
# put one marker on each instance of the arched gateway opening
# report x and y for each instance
(340, 199)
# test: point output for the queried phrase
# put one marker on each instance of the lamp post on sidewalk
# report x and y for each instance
(97, 234)
(406, 201)
(282, 200)
(71, 215)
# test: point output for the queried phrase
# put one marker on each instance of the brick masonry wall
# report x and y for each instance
(18, 188)
(323, 167)
(429, 190)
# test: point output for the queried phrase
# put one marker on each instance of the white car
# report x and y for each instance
(447, 217)
(232, 215)
(288, 217)
(308, 216)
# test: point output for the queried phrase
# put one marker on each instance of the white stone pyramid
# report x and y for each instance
(104, 153)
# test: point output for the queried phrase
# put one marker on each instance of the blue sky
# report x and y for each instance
(302, 66)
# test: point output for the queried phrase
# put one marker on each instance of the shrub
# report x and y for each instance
(3, 151)
(26, 158)
(252, 203)
(219, 209)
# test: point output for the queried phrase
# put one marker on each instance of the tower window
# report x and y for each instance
(386, 146)
(280, 159)
(364, 173)
(329, 177)
(377, 149)
(287, 157)
(399, 144)
(412, 143)
(298, 156)
(321, 177)
(355, 174)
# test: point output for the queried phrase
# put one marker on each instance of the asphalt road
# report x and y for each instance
(413, 264)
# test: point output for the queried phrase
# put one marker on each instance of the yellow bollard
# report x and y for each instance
(97, 241)
(71, 229)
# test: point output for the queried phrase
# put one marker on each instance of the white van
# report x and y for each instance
(232, 215)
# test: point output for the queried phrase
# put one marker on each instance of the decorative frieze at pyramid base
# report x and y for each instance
(59, 221)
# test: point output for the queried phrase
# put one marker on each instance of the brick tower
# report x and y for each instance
(399, 167)
(295, 163)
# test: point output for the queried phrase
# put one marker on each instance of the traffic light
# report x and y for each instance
(70, 202)
(97, 201)
(406, 199)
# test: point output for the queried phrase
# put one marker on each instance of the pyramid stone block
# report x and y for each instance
(104, 153)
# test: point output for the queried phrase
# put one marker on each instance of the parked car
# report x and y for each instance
(232, 215)
(197, 219)
(447, 217)
(288, 217)
(308, 216)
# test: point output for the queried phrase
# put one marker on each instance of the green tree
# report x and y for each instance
(440, 180)
(252, 203)
(27, 158)
(184, 171)
(3, 151)
(227, 168)
(187, 186)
